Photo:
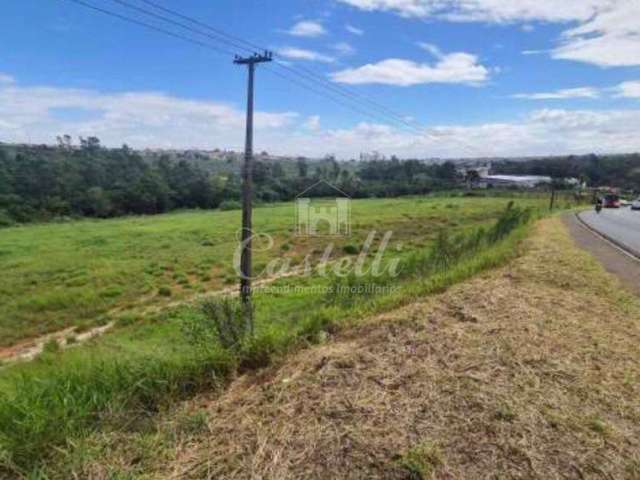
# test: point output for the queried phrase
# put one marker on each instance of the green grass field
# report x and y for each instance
(116, 381)
(84, 273)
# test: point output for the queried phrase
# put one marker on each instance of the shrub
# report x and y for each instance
(230, 205)
(221, 321)
(5, 219)
(446, 252)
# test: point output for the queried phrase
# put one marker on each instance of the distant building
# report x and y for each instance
(483, 170)
(522, 181)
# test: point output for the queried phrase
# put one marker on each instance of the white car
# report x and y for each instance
(635, 205)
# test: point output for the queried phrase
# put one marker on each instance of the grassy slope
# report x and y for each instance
(530, 371)
(82, 273)
(114, 382)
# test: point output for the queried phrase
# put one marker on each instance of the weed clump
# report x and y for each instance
(164, 292)
(221, 323)
(422, 462)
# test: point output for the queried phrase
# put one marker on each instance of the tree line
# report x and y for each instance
(39, 183)
(622, 171)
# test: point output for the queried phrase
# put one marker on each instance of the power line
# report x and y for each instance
(306, 74)
(237, 41)
(150, 13)
(226, 52)
(250, 47)
(150, 26)
(330, 89)
(388, 115)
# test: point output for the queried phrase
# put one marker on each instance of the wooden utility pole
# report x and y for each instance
(552, 201)
(247, 190)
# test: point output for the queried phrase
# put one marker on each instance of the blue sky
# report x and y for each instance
(474, 77)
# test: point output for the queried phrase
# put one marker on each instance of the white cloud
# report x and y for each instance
(343, 48)
(294, 53)
(610, 39)
(608, 33)
(156, 120)
(140, 119)
(312, 123)
(460, 68)
(543, 132)
(5, 79)
(354, 30)
(498, 11)
(431, 48)
(307, 28)
(628, 90)
(582, 92)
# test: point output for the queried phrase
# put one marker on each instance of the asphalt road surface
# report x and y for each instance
(620, 225)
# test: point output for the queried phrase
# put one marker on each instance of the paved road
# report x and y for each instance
(620, 225)
(623, 266)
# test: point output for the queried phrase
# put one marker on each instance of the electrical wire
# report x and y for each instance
(352, 100)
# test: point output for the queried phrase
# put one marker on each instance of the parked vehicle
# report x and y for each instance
(635, 205)
(611, 201)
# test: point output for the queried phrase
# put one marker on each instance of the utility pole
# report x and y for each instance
(247, 189)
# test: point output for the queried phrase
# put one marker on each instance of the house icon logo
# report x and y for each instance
(321, 216)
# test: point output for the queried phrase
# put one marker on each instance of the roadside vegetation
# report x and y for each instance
(119, 383)
(527, 371)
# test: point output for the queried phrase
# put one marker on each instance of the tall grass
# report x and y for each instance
(44, 413)
(77, 274)
(446, 252)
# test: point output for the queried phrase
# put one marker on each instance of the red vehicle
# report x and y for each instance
(611, 201)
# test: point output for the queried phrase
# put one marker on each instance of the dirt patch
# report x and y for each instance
(528, 372)
(30, 349)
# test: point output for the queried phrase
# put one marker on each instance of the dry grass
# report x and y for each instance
(527, 372)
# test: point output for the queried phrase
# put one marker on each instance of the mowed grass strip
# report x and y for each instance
(83, 273)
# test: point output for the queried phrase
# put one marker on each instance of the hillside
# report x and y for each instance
(530, 371)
